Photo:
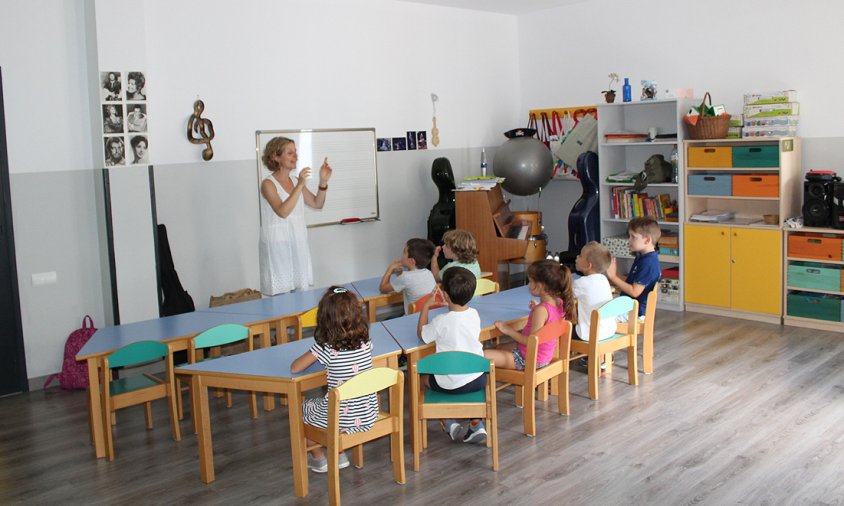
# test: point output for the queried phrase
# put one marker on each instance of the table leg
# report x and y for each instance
(297, 443)
(95, 413)
(266, 342)
(199, 394)
(372, 307)
(413, 398)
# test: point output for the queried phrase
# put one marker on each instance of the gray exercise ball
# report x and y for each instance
(525, 163)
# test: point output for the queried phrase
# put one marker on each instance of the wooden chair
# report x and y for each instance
(414, 307)
(486, 286)
(436, 405)
(212, 340)
(595, 349)
(528, 380)
(388, 423)
(645, 328)
(306, 320)
(134, 390)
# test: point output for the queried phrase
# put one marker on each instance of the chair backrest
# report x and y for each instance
(308, 319)
(138, 353)
(452, 362)
(558, 330)
(612, 309)
(485, 286)
(368, 382)
(650, 311)
(414, 307)
(221, 335)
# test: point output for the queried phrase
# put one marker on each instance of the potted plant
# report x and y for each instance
(609, 95)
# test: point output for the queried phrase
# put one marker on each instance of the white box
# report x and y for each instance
(774, 131)
(774, 97)
(762, 111)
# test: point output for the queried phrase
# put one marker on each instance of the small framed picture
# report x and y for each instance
(113, 118)
(385, 144)
(421, 139)
(136, 117)
(111, 88)
(399, 144)
(139, 150)
(136, 86)
(411, 140)
(115, 151)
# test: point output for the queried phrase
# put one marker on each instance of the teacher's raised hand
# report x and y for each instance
(325, 172)
(304, 175)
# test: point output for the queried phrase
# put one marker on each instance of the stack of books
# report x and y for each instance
(478, 183)
(627, 203)
(669, 243)
(774, 114)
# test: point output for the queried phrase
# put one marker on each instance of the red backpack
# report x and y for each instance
(74, 374)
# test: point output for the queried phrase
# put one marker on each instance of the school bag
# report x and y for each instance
(74, 374)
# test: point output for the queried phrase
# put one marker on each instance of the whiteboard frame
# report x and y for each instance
(261, 169)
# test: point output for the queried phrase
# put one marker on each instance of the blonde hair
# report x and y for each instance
(462, 244)
(646, 227)
(274, 147)
(597, 255)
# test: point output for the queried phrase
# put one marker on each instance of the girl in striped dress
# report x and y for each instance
(343, 347)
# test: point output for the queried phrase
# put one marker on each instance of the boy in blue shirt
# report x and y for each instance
(643, 235)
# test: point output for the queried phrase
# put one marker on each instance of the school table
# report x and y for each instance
(174, 330)
(370, 291)
(404, 331)
(268, 370)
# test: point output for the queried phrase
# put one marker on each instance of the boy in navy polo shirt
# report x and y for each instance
(643, 235)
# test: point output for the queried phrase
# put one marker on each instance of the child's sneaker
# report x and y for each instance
(454, 430)
(318, 465)
(585, 363)
(476, 436)
(344, 461)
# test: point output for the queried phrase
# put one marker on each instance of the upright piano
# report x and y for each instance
(499, 236)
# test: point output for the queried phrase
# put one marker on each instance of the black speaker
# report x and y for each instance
(837, 205)
(817, 203)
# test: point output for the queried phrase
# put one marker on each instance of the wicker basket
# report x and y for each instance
(709, 127)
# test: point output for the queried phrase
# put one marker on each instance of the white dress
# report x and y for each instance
(283, 253)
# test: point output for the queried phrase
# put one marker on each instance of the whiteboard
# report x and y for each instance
(353, 187)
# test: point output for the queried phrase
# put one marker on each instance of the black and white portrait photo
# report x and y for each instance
(113, 118)
(136, 86)
(111, 88)
(115, 151)
(136, 118)
(139, 154)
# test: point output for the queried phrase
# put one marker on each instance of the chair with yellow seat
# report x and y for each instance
(527, 381)
(212, 341)
(306, 320)
(596, 349)
(486, 286)
(646, 329)
(436, 405)
(140, 389)
(388, 423)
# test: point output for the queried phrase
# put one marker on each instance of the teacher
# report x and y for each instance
(285, 260)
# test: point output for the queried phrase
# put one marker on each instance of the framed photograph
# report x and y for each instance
(111, 89)
(115, 151)
(385, 144)
(136, 117)
(422, 139)
(112, 118)
(138, 150)
(399, 144)
(411, 140)
(136, 86)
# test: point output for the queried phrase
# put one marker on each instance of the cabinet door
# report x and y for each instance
(756, 270)
(707, 265)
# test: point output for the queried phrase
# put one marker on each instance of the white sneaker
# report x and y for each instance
(318, 465)
(456, 431)
(476, 436)
(344, 461)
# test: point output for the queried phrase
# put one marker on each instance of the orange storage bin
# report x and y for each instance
(820, 246)
(711, 157)
(756, 185)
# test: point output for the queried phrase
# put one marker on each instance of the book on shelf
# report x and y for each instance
(712, 216)
(623, 177)
(478, 183)
(627, 203)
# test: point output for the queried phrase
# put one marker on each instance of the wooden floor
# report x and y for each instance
(736, 412)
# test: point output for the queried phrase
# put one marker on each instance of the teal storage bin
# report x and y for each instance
(815, 306)
(812, 276)
(710, 184)
(756, 156)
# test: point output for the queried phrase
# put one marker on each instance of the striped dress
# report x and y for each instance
(356, 415)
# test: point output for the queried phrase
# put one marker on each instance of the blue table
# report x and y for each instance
(268, 370)
(370, 291)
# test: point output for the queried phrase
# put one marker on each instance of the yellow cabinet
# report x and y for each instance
(733, 267)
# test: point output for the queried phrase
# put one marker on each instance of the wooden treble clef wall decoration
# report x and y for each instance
(203, 128)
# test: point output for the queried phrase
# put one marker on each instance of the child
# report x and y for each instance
(551, 282)
(592, 289)
(457, 330)
(417, 281)
(342, 346)
(459, 247)
(643, 234)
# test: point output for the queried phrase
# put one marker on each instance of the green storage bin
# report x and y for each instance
(812, 276)
(815, 306)
(756, 156)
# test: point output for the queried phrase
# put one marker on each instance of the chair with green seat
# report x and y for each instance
(596, 349)
(212, 341)
(526, 381)
(486, 286)
(141, 389)
(436, 405)
(388, 423)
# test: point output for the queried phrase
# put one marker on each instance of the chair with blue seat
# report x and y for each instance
(388, 423)
(528, 380)
(646, 329)
(207, 346)
(437, 405)
(140, 389)
(596, 349)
